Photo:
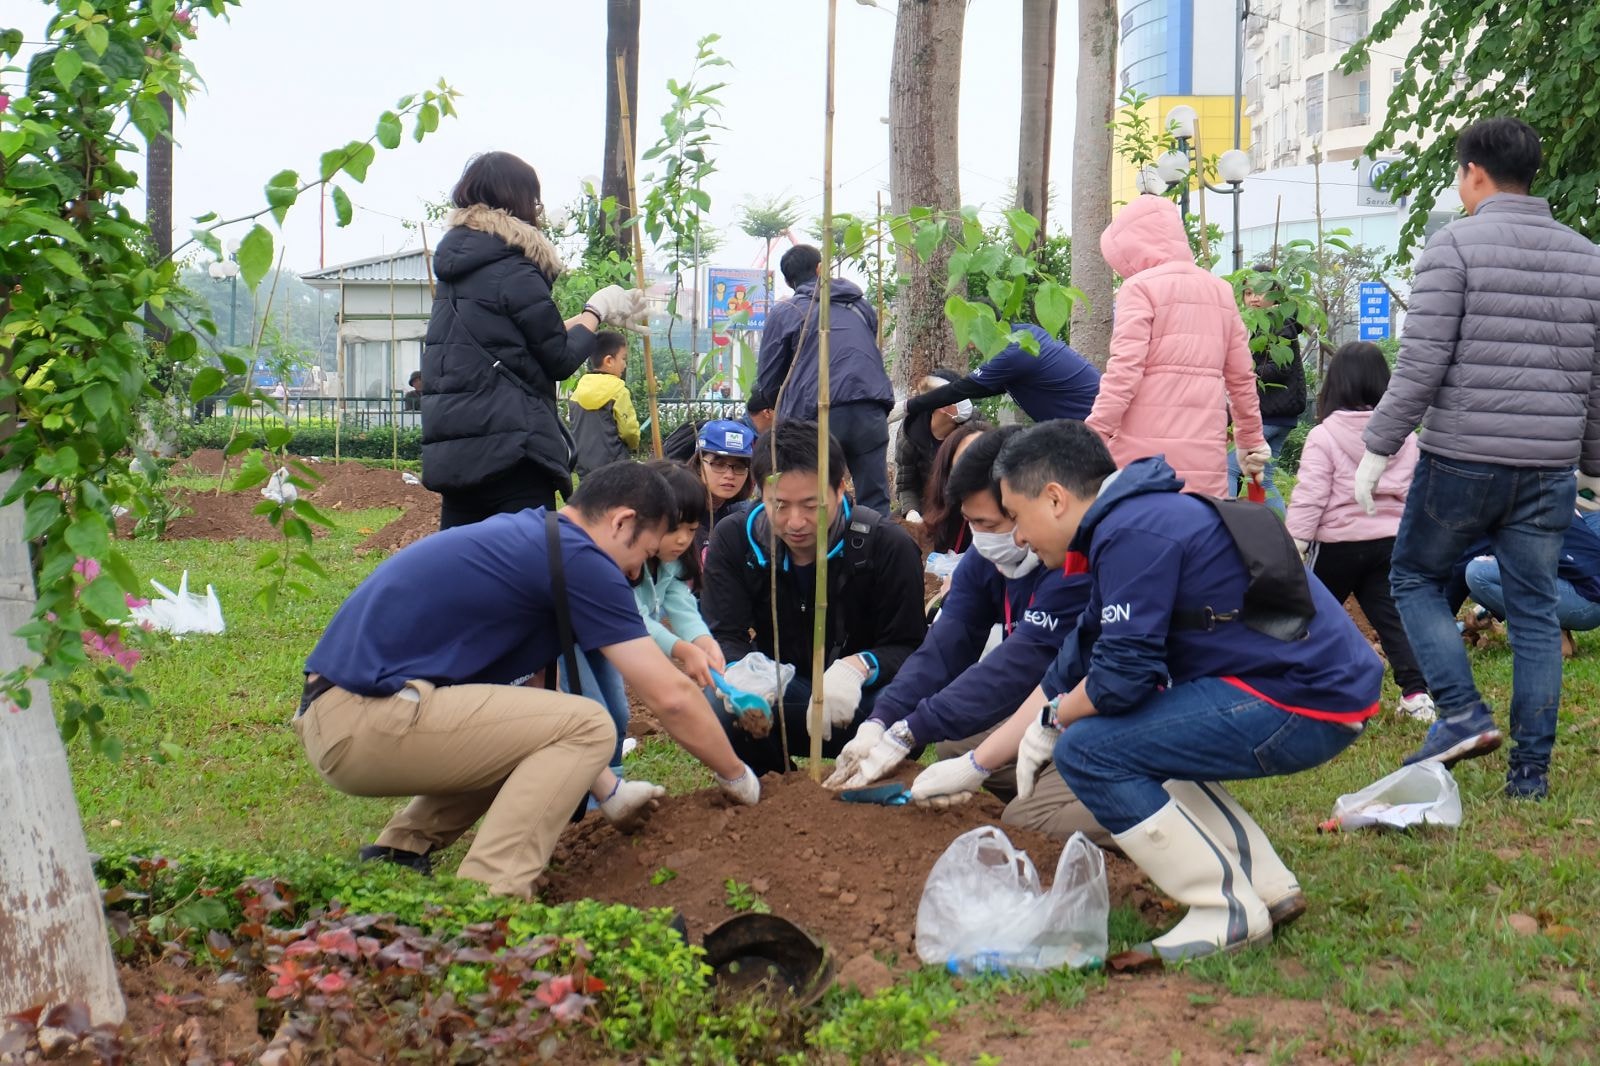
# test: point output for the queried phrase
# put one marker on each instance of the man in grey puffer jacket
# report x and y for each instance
(1498, 364)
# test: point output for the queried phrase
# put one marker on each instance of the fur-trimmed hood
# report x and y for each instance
(457, 258)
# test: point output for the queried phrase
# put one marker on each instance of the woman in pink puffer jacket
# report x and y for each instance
(1179, 356)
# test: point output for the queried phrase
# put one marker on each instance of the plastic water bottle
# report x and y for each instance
(1028, 960)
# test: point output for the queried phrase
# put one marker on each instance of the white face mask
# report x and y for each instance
(1008, 557)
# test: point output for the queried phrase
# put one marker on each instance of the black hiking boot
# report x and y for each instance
(411, 860)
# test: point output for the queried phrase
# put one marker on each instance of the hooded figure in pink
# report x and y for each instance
(1179, 356)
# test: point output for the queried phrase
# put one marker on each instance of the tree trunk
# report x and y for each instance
(158, 213)
(1038, 91)
(52, 927)
(924, 104)
(1091, 177)
(622, 38)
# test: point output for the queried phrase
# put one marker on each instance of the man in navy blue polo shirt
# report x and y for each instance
(428, 682)
(1056, 383)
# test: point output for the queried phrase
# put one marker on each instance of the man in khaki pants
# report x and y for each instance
(426, 682)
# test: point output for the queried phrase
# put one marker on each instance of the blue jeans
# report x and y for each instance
(765, 755)
(1276, 437)
(1572, 610)
(1525, 513)
(1204, 730)
(602, 683)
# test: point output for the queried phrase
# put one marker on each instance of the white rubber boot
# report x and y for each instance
(1233, 827)
(1188, 864)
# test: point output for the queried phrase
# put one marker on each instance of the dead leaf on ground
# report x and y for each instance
(1134, 962)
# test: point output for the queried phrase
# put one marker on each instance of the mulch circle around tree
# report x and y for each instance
(849, 874)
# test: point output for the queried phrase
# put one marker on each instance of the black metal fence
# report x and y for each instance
(364, 413)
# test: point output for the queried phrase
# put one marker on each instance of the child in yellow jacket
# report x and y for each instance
(605, 427)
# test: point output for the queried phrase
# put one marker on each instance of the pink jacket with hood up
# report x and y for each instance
(1179, 354)
(1323, 507)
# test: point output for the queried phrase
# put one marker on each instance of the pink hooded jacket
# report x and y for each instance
(1179, 354)
(1323, 506)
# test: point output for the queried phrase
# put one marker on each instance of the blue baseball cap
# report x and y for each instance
(723, 437)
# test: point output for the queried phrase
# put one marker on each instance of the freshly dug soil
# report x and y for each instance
(1353, 609)
(209, 515)
(354, 486)
(849, 874)
(410, 527)
(178, 1015)
(207, 462)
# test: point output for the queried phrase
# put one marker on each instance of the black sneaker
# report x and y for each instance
(411, 860)
(1528, 783)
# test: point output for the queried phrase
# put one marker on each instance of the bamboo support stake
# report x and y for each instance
(638, 251)
(877, 238)
(819, 632)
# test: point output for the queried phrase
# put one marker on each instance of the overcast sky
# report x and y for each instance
(289, 79)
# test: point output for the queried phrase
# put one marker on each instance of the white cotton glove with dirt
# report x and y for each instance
(897, 412)
(841, 695)
(1037, 750)
(631, 803)
(744, 789)
(1302, 546)
(914, 517)
(949, 783)
(884, 758)
(1368, 473)
(1254, 462)
(845, 767)
(620, 307)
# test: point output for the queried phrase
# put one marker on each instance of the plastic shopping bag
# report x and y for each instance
(280, 489)
(983, 908)
(181, 611)
(759, 676)
(1423, 793)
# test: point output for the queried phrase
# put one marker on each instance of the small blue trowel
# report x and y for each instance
(893, 794)
(743, 702)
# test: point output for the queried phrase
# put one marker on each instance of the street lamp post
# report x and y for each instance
(228, 269)
(1173, 168)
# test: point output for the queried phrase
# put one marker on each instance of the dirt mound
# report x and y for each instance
(849, 874)
(410, 527)
(354, 486)
(207, 462)
(184, 1015)
(209, 515)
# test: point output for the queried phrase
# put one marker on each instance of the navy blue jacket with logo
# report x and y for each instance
(855, 365)
(1149, 551)
(944, 691)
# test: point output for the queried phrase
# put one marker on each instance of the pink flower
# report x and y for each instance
(5, 101)
(110, 646)
(134, 601)
(89, 568)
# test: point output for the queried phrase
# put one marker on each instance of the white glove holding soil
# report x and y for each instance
(744, 789)
(1368, 472)
(1253, 462)
(631, 803)
(886, 755)
(620, 307)
(841, 695)
(948, 783)
(849, 761)
(1038, 750)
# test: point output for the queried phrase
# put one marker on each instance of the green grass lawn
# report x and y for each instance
(1407, 932)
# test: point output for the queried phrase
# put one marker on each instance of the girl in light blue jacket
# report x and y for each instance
(665, 589)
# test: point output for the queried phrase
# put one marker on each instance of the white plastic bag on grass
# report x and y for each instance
(757, 674)
(181, 611)
(984, 909)
(280, 489)
(1423, 793)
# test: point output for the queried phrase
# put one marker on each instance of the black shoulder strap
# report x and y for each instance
(558, 594)
(858, 536)
(457, 320)
(1277, 600)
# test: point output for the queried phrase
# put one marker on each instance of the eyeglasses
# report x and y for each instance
(723, 462)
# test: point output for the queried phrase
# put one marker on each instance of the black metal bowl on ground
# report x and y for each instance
(751, 951)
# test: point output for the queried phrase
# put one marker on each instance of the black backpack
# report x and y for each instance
(679, 445)
(1277, 601)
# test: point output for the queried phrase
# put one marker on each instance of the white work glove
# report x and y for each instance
(630, 803)
(1302, 546)
(1592, 485)
(841, 695)
(1368, 472)
(888, 753)
(620, 307)
(744, 789)
(914, 517)
(948, 783)
(897, 412)
(1253, 462)
(1038, 750)
(849, 761)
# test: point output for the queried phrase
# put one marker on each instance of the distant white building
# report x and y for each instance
(384, 304)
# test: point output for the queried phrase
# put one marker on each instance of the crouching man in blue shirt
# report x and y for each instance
(1189, 667)
(427, 681)
(945, 691)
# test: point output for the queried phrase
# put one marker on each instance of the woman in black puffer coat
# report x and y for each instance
(492, 439)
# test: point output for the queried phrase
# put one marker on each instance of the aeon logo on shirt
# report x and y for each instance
(1042, 619)
(1114, 612)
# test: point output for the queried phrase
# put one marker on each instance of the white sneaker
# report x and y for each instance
(1418, 706)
